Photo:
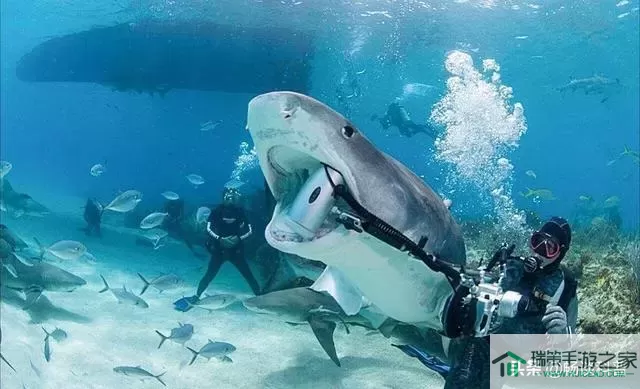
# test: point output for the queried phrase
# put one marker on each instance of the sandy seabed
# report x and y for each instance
(270, 354)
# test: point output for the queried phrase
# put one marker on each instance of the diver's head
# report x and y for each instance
(230, 196)
(552, 241)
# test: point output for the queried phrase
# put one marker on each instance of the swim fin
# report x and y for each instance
(429, 361)
(183, 304)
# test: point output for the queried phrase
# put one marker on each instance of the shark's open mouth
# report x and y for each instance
(304, 196)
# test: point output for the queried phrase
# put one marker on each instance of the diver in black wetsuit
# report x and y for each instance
(93, 216)
(228, 227)
(398, 116)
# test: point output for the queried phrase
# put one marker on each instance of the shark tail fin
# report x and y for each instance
(163, 338)
(195, 355)
(146, 284)
(158, 378)
(106, 286)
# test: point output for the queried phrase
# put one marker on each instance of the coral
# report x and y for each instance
(632, 255)
(608, 292)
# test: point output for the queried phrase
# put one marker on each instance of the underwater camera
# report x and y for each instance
(483, 302)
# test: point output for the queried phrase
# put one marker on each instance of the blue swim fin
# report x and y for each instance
(429, 361)
(183, 304)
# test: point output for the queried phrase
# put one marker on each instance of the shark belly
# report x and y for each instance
(403, 288)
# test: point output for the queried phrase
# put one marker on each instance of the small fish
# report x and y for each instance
(531, 174)
(97, 170)
(612, 202)
(542, 194)
(5, 168)
(153, 220)
(195, 179)
(179, 334)
(634, 155)
(59, 335)
(612, 162)
(521, 37)
(584, 198)
(622, 3)
(210, 125)
(124, 296)
(47, 346)
(169, 195)
(213, 302)
(202, 215)
(11, 269)
(65, 249)
(125, 202)
(156, 236)
(137, 371)
(161, 283)
(219, 350)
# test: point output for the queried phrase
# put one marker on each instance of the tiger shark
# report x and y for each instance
(300, 140)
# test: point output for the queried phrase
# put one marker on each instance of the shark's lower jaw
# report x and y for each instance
(291, 172)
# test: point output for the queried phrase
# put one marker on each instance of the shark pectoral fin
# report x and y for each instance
(323, 330)
(338, 286)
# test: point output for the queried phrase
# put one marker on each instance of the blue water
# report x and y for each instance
(52, 133)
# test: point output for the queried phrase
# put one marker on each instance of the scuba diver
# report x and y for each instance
(398, 116)
(227, 227)
(173, 223)
(548, 302)
(552, 306)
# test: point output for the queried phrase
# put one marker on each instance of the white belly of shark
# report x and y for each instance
(403, 288)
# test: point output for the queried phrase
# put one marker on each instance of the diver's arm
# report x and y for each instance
(210, 231)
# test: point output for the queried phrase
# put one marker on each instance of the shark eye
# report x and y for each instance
(348, 131)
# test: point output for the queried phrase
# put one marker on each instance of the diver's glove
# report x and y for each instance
(555, 320)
